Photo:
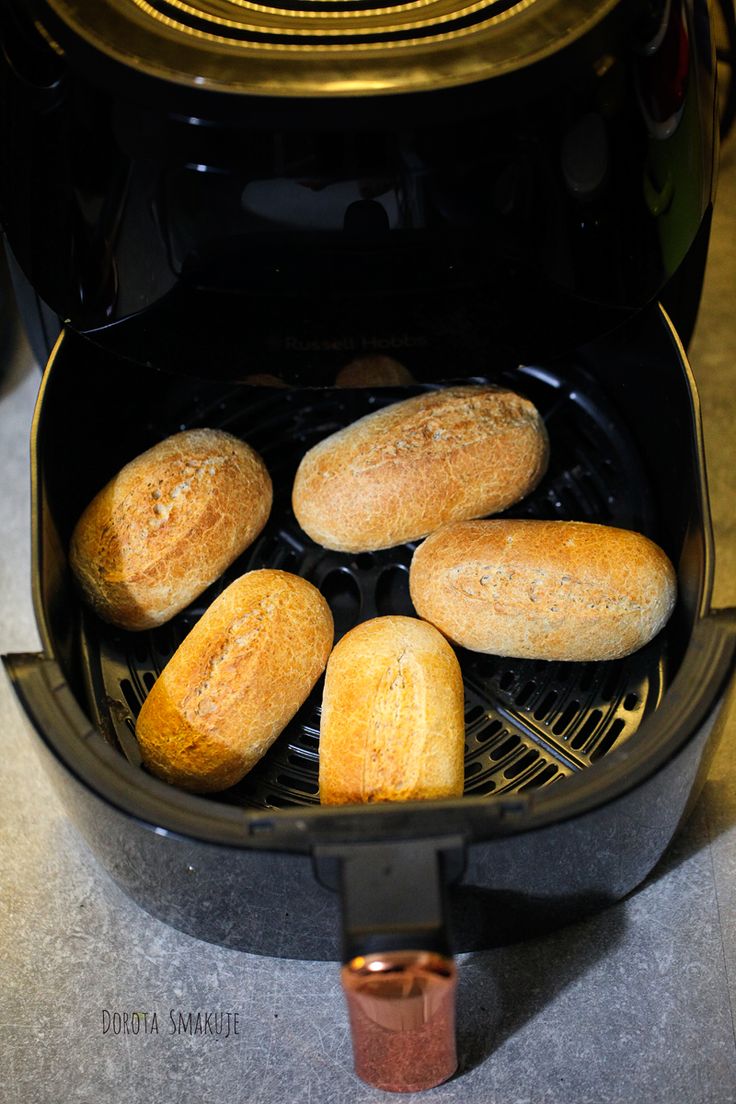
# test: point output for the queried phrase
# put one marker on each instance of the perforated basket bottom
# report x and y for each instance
(528, 723)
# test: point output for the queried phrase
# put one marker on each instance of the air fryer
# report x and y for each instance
(502, 195)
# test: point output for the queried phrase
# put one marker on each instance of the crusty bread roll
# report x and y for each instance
(401, 472)
(235, 681)
(543, 589)
(168, 525)
(374, 371)
(392, 724)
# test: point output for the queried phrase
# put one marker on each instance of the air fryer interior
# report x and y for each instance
(624, 452)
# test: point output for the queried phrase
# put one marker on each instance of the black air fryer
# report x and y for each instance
(197, 196)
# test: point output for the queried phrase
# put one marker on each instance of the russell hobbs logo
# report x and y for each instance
(175, 1022)
(362, 344)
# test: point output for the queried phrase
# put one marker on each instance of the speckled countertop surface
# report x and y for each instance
(635, 1004)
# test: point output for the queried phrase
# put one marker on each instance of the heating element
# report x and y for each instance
(311, 47)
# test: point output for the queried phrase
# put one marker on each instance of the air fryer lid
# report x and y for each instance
(328, 47)
(185, 226)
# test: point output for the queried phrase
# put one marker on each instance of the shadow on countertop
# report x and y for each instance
(501, 990)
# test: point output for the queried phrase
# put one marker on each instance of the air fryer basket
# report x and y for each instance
(528, 724)
(625, 451)
(536, 838)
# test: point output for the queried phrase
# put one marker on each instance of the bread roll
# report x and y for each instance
(393, 724)
(403, 471)
(543, 589)
(168, 525)
(235, 681)
(374, 371)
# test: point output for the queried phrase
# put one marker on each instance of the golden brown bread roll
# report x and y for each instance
(168, 525)
(401, 472)
(543, 589)
(374, 371)
(392, 724)
(235, 681)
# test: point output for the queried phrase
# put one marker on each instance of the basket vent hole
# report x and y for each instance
(588, 677)
(608, 740)
(631, 701)
(300, 760)
(506, 680)
(149, 679)
(567, 716)
(130, 696)
(545, 775)
(506, 747)
(491, 730)
(300, 785)
(525, 693)
(483, 789)
(474, 714)
(392, 592)
(129, 743)
(342, 594)
(140, 648)
(472, 768)
(545, 705)
(163, 642)
(611, 684)
(521, 764)
(587, 729)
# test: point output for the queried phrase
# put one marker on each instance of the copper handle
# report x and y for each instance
(402, 1016)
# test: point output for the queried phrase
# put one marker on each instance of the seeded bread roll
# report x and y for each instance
(168, 525)
(393, 724)
(403, 471)
(235, 681)
(543, 589)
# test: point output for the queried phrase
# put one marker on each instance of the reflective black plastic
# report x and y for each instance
(224, 236)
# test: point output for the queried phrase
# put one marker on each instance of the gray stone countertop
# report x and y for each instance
(635, 1004)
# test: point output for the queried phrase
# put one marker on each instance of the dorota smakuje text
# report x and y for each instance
(223, 1025)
